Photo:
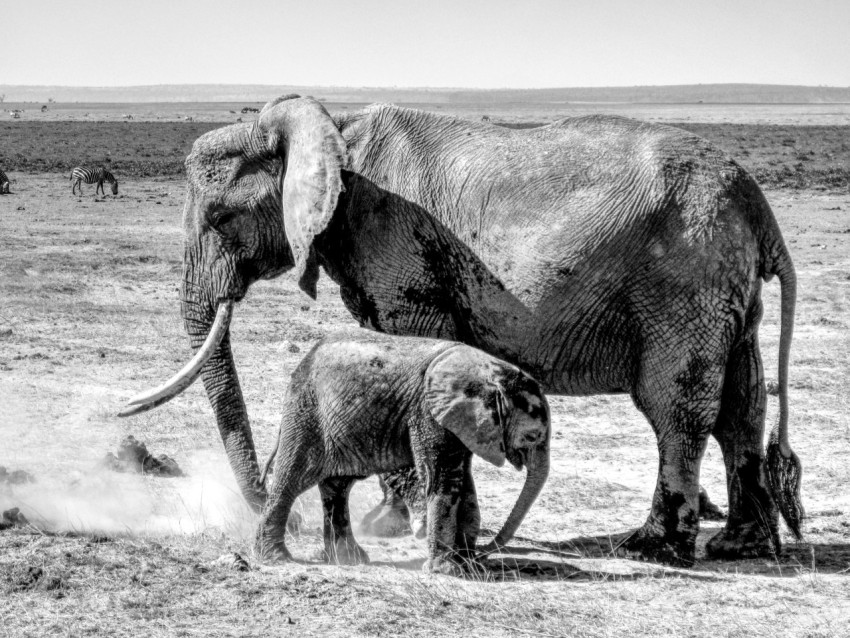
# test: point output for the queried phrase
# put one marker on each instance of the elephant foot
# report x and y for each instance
(647, 544)
(268, 553)
(708, 511)
(345, 551)
(386, 522)
(443, 565)
(750, 540)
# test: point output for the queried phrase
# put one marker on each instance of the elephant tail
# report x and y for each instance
(268, 467)
(782, 466)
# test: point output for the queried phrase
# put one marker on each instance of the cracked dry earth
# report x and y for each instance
(89, 316)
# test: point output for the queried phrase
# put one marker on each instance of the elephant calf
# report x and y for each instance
(364, 403)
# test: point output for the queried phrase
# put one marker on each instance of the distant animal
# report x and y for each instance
(250, 109)
(126, 116)
(363, 402)
(4, 183)
(93, 175)
(44, 108)
(189, 118)
(485, 118)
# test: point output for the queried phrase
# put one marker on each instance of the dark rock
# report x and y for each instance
(162, 465)
(13, 518)
(133, 456)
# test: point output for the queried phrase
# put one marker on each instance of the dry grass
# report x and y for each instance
(90, 316)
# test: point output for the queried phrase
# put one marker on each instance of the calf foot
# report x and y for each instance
(748, 540)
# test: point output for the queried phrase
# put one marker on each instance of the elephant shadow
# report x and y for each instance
(586, 557)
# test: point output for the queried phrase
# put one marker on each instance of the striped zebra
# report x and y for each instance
(4, 183)
(92, 175)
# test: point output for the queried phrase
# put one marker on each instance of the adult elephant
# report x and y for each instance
(601, 254)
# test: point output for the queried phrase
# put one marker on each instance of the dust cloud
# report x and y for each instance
(75, 491)
(93, 499)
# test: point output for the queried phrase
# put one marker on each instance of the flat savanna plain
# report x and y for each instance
(89, 316)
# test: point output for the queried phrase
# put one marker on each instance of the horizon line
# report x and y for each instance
(422, 88)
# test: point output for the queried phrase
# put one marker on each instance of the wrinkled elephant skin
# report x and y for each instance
(600, 254)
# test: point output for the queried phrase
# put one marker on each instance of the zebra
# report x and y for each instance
(92, 175)
(4, 183)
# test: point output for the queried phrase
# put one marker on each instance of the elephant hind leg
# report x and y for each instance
(292, 477)
(752, 526)
(340, 546)
(679, 392)
(270, 544)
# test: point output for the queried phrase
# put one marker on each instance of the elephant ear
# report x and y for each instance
(462, 398)
(300, 130)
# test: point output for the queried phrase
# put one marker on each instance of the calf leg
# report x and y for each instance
(340, 546)
(443, 495)
(297, 468)
(468, 515)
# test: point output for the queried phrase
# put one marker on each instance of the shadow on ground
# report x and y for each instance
(595, 557)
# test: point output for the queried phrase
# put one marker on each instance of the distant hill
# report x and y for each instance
(693, 93)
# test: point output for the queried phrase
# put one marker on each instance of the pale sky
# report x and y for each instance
(439, 43)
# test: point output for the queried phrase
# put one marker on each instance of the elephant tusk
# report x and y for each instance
(191, 371)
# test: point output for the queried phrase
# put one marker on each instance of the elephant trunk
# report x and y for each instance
(225, 394)
(537, 471)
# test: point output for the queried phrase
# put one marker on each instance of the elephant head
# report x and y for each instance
(499, 413)
(257, 195)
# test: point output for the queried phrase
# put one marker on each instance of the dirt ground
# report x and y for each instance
(89, 317)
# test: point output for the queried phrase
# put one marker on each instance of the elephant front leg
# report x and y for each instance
(468, 515)
(340, 546)
(752, 525)
(444, 496)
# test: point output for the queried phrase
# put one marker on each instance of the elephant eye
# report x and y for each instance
(531, 437)
(222, 218)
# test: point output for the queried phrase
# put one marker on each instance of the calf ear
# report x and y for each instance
(462, 398)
